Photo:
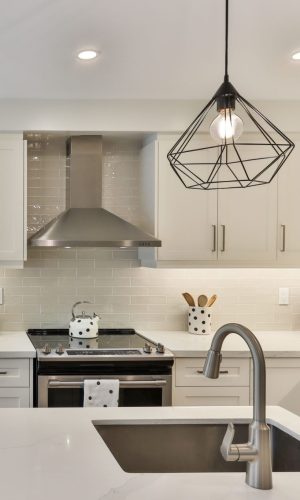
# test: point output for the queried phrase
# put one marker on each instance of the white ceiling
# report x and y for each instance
(151, 49)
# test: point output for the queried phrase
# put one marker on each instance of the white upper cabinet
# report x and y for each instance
(187, 218)
(12, 200)
(206, 228)
(247, 217)
(288, 246)
(247, 224)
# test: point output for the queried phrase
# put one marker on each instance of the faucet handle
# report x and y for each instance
(229, 451)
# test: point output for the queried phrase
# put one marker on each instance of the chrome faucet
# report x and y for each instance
(257, 452)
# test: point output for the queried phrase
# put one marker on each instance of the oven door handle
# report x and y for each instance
(123, 383)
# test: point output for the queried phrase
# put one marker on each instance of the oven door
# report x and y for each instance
(139, 390)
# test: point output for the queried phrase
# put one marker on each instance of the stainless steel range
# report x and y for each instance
(63, 363)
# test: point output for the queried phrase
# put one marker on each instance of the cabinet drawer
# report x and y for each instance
(14, 372)
(233, 372)
(14, 397)
(283, 383)
(211, 396)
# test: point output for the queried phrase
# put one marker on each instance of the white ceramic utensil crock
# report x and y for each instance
(83, 326)
(199, 320)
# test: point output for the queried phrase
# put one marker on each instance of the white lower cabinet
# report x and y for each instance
(192, 388)
(211, 396)
(14, 372)
(15, 383)
(283, 383)
(14, 397)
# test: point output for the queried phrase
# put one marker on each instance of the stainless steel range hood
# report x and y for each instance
(85, 223)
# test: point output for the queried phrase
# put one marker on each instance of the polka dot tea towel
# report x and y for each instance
(101, 393)
(199, 320)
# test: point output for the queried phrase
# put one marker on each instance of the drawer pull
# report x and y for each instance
(222, 372)
(3, 373)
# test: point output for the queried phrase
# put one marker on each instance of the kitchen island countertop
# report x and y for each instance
(57, 453)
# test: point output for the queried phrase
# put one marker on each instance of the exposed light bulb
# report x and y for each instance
(226, 125)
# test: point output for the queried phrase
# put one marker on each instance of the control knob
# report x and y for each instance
(160, 348)
(46, 349)
(60, 349)
(147, 348)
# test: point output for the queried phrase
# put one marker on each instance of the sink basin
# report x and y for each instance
(184, 447)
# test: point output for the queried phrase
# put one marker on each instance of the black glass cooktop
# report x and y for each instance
(112, 338)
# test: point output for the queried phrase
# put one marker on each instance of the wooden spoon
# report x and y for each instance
(212, 300)
(202, 300)
(189, 299)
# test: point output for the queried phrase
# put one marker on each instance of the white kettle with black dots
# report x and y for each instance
(83, 326)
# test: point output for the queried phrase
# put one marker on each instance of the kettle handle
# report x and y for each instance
(77, 304)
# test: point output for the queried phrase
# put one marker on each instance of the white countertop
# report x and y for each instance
(57, 454)
(16, 345)
(183, 344)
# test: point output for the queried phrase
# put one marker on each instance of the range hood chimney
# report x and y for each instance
(84, 223)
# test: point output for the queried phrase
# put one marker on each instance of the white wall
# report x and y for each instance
(141, 116)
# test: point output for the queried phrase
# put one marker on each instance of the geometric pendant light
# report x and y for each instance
(215, 151)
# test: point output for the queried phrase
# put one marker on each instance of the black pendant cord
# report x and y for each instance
(226, 77)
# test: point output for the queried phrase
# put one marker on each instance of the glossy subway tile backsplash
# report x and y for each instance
(121, 292)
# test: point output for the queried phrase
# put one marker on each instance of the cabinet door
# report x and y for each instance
(14, 372)
(289, 207)
(283, 383)
(11, 199)
(14, 398)
(211, 396)
(187, 218)
(233, 372)
(248, 220)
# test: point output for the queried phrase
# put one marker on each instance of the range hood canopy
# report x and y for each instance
(85, 223)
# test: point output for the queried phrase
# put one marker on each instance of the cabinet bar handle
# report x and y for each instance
(283, 238)
(214, 248)
(222, 372)
(123, 383)
(223, 238)
(3, 373)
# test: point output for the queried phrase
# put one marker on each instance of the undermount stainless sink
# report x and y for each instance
(185, 447)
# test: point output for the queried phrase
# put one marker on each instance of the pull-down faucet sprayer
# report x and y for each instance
(257, 452)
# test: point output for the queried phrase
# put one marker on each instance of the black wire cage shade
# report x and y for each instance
(252, 160)
(230, 144)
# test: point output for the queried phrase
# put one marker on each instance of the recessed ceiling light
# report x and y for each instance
(296, 56)
(87, 55)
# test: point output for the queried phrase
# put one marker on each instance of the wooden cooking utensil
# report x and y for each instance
(212, 300)
(189, 299)
(202, 300)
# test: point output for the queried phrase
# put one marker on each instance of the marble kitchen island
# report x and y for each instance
(57, 453)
